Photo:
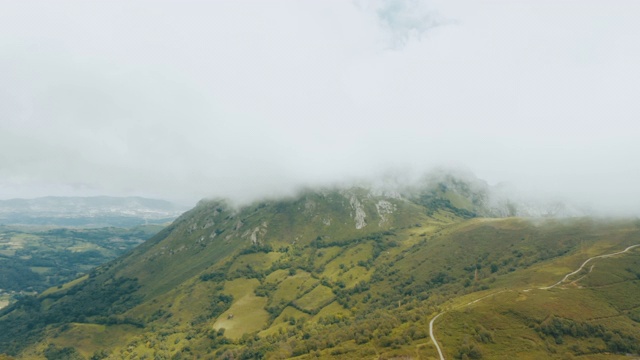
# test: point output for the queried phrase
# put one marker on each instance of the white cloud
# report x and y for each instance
(190, 99)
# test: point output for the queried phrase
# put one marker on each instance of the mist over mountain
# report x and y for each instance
(246, 100)
(456, 187)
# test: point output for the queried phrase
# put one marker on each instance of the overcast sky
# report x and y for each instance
(187, 99)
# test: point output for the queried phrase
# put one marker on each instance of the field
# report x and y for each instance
(34, 258)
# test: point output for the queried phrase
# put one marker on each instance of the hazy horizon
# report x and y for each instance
(187, 100)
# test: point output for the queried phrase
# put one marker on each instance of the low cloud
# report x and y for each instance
(187, 100)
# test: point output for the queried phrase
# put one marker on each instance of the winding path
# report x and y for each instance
(433, 338)
(585, 263)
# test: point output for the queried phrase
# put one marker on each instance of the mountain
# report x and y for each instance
(350, 273)
(463, 193)
(87, 211)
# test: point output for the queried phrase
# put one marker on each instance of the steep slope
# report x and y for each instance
(214, 230)
(341, 273)
(197, 243)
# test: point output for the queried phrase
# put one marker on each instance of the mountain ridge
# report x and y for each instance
(332, 273)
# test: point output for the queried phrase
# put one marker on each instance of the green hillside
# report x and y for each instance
(348, 273)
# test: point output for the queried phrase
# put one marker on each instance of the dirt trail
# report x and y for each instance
(433, 338)
(585, 263)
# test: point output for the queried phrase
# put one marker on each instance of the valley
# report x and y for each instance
(49, 241)
(35, 258)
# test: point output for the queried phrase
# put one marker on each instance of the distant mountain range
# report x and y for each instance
(88, 211)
